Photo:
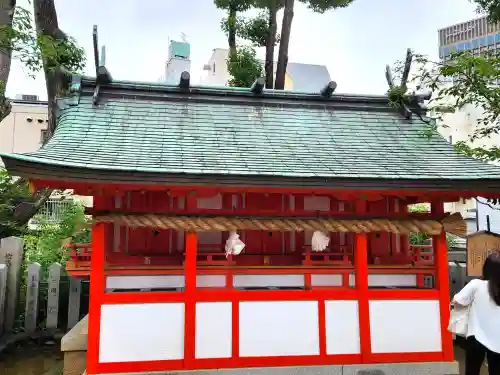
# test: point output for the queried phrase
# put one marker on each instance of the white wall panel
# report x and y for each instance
(141, 332)
(213, 330)
(405, 326)
(342, 327)
(278, 328)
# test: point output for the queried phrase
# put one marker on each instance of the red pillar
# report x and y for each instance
(191, 239)
(361, 276)
(97, 286)
(442, 283)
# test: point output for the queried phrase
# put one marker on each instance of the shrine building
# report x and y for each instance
(253, 228)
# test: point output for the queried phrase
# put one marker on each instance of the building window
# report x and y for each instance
(43, 135)
(213, 68)
(450, 139)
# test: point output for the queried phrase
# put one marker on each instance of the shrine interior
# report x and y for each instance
(283, 259)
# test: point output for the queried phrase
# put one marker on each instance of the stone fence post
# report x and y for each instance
(11, 254)
(3, 290)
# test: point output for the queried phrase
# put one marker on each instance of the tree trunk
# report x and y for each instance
(284, 41)
(7, 8)
(271, 41)
(231, 33)
(47, 24)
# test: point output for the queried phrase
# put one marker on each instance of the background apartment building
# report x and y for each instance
(22, 131)
(179, 60)
(298, 76)
(24, 128)
(474, 36)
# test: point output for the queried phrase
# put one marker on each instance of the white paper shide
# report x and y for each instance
(319, 241)
(234, 245)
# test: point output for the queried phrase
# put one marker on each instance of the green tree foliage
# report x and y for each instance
(17, 205)
(423, 238)
(237, 56)
(490, 7)
(12, 193)
(253, 29)
(229, 24)
(262, 31)
(31, 48)
(244, 67)
(60, 57)
(474, 84)
(45, 244)
(418, 238)
(19, 40)
(38, 44)
(319, 6)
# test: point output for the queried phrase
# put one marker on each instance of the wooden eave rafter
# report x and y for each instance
(411, 196)
(452, 224)
(94, 182)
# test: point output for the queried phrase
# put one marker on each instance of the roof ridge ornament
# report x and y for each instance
(184, 80)
(407, 104)
(329, 89)
(258, 86)
(103, 76)
(398, 92)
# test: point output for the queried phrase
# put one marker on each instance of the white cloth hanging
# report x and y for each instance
(234, 245)
(319, 241)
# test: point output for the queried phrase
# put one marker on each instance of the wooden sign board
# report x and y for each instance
(479, 246)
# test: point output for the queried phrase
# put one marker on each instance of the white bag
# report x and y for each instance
(459, 321)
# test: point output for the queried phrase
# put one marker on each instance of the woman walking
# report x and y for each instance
(483, 331)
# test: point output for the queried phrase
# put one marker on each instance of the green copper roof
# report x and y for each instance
(219, 131)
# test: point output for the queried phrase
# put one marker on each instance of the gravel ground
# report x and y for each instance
(31, 359)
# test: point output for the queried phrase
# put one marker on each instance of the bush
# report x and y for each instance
(45, 244)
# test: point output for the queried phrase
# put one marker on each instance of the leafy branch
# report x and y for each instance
(490, 7)
(254, 29)
(461, 81)
(243, 67)
(31, 49)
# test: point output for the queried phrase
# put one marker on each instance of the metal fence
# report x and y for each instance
(53, 210)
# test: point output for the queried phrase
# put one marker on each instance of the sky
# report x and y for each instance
(354, 43)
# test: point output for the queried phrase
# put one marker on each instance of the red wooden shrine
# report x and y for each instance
(174, 169)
